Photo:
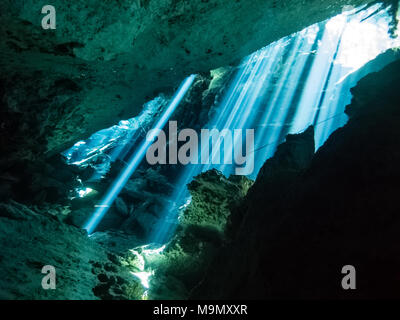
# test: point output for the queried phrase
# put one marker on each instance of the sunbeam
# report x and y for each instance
(298, 81)
(135, 160)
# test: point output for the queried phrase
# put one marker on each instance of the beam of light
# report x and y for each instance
(143, 254)
(136, 159)
(297, 81)
(228, 111)
(144, 277)
(350, 41)
(278, 105)
(314, 86)
(240, 103)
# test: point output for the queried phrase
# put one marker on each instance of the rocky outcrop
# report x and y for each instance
(31, 239)
(212, 196)
(201, 232)
(307, 217)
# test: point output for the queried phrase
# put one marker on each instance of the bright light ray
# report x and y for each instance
(255, 88)
(279, 105)
(297, 81)
(136, 159)
(315, 83)
(357, 41)
(251, 82)
(144, 277)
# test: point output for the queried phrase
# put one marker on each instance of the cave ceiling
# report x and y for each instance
(106, 58)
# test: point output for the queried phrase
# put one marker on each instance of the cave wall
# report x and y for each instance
(32, 238)
(309, 215)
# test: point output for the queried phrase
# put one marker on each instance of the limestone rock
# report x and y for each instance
(84, 269)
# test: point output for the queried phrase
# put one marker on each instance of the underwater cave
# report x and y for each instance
(199, 150)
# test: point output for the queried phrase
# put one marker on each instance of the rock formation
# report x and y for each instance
(308, 216)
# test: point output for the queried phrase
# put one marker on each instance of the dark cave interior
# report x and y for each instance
(312, 191)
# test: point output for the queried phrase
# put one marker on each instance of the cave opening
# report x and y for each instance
(301, 80)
